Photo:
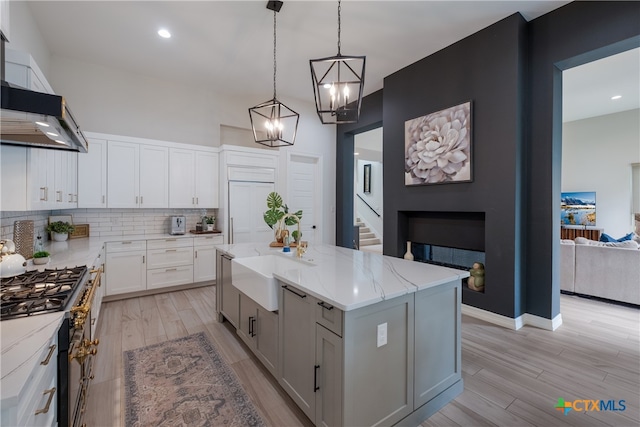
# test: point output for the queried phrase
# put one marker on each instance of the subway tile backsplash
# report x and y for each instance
(107, 222)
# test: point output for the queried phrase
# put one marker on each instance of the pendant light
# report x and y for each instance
(273, 123)
(338, 82)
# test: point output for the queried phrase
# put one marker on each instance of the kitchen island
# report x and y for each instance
(356, 338)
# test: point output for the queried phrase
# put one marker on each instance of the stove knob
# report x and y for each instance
(95, 342)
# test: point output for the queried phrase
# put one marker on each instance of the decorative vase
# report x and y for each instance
(60, 237)
(210, 227)
(408, 255)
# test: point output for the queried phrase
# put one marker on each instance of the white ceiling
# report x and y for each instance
(228, 45)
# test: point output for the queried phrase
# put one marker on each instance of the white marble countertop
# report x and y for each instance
(350, 279)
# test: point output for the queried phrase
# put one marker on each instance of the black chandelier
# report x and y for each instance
(273, 123)
(338, 82)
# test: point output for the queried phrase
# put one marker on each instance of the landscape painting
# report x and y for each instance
(578, 208)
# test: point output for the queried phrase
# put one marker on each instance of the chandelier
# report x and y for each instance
(273, 123)
(338, 82)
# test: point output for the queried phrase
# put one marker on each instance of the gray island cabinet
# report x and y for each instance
(362, 339)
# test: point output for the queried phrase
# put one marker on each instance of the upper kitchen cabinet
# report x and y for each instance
(13, 178)
(4, 19)
(22, 70)
(92, 175)
(137, 175)
(193, 178)
(51, 180)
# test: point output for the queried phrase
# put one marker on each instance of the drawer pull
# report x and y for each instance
(44, 410)
(171, 269)
(171, 250)
(315, 378)
(293, 292)
(170, 240)
(46, 361)
(325, 306)
(127, 243)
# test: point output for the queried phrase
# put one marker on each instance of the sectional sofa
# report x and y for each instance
(590, 268)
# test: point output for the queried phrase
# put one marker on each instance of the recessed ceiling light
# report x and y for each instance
(165, 34)
(43, 124)
(60, 142)
(616, 97)
(52, 134)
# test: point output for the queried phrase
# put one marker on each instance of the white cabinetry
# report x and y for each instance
(126, 267)
(13, 178)
(204, 257)
(170, 262)
(136, 175)
(92, 175)
(40, 179)
(37, 404)
(193, 179)
(22, 70)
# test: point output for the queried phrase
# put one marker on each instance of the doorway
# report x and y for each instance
(368, 190)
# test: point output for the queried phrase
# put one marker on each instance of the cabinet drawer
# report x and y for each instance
(126, 246)
(163, 277)
(208, 240)
(42, 378)
(47, 393)
(170, 243)
(163, 258)
(330, 317)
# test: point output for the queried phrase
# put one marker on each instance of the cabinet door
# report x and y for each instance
(123, 174)
(181, 178)
(328, 378)
(206, 179)
(247, 329)
(297, 348)
(60, 162)
(92, 175)
(154, 177)
(13, 178)
(229, 294)
(204, 263)
(71, 196)
(246, 208)
(126, 272)
(267, 339)
(40, 177)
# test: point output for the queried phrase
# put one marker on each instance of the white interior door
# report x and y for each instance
(247, 203)
(305, 193)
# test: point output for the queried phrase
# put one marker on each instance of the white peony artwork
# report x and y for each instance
(438, 147)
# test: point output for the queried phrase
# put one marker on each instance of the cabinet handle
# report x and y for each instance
(231, 230)
(59, 196)
(197, 202)
(170, 269)
(141, 200)
(143, 259)
(136, 200)
(44, 410)
(251, 326)
(171, 250)
(43, 195)
(70, 198)
(293, 292)
(193, 200)
(46, 361)
(103, 199)
(127, 243)
(196, 252)
(170, 240)
(46, 194)
(315, 378)
(325, 306)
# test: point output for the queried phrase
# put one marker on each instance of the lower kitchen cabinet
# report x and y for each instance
(227, 295)
(328, 378)
(259, 330)
(169, 262)
(204, 257)
(126, 266)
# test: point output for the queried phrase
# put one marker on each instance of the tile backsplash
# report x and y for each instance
(107, 222)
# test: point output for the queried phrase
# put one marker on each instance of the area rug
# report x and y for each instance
(184, 382)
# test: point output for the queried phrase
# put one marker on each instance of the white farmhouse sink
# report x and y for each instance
(254, 277)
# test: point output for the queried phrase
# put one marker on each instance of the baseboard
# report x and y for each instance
(510, 323)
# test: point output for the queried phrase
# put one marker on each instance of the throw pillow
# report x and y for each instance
(582, 241)
(604, 237)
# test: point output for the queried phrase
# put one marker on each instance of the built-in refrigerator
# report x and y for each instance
(248, 191)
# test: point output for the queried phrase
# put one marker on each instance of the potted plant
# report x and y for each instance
(60, 230)
(41, 257)
(210, 221)
(275, 216)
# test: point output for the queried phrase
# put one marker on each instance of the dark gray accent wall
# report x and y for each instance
(572, 35)
(511, 71)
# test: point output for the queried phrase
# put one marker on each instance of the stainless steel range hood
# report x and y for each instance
(37, 119)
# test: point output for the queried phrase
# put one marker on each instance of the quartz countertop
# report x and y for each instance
(347, 278)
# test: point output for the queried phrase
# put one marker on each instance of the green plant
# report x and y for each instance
(295, 236)
(60, 227)
(209, 219)
(277, 211)
(41, 254)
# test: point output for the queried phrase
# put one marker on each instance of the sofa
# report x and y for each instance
(595, 269)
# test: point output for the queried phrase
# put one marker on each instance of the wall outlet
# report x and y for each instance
(382, 334)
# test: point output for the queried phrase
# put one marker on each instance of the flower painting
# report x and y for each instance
(438, 147)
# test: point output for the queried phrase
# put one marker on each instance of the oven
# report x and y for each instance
(75, 360)
(70, 290)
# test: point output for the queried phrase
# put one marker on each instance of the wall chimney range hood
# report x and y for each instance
(36, 119)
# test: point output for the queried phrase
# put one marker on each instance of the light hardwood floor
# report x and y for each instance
(511, 378)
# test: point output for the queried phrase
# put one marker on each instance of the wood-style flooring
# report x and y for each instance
(511, 378)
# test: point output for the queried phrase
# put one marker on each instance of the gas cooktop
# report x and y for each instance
(38, 292)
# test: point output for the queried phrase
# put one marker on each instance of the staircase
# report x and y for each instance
(367, 237)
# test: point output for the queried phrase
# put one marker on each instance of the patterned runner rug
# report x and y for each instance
(184, 382)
